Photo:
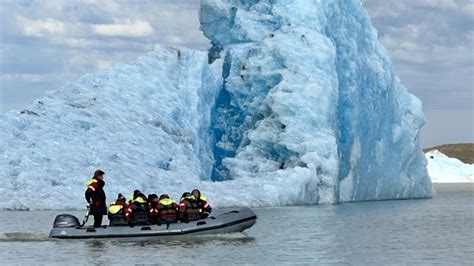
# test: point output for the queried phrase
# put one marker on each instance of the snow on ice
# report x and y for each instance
(294, 103)
(443, 169)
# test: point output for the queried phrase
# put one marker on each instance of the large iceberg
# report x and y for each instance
(294, 103)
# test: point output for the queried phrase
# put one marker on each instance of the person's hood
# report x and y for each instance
(198, 191)
(122, 200)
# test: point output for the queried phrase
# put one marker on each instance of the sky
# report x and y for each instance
(44, 44)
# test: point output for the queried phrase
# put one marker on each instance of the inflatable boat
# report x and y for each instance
(67, 226)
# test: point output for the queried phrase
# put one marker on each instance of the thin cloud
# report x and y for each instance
(42, 27)
(124, 28)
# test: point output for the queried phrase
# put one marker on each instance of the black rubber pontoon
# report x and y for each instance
(67, 227)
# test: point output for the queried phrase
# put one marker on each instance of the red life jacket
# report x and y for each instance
(137, 211)
(153, 210)
(167, 209)
(189, 209)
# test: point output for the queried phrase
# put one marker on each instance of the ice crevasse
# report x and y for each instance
(294, 103)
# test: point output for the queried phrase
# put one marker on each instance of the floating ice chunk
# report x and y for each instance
(443, 169)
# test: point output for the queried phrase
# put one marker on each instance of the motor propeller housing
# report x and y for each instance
(65, 220)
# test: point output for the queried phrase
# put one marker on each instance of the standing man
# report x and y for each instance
(95, 196)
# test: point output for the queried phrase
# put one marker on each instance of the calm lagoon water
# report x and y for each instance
(433, 231)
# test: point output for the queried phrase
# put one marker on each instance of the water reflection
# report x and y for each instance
(166, 251)
(96, 245)
(191, 241)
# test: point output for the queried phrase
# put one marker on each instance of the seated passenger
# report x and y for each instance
(153, 208)
(204, 207)
(116, 212)
(151, 198)
(188, 208)
(167, 210)
(137, 210)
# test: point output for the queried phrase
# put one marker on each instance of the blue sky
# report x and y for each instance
(46, 43)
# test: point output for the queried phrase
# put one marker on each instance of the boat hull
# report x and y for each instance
(230, 222)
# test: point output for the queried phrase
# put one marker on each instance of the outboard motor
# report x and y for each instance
(66, 220)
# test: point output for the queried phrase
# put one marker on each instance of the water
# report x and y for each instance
(434, 231)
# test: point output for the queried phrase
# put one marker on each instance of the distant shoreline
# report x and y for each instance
(458, 187)
(461, 151)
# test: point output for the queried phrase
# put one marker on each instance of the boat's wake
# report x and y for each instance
(24, 237)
